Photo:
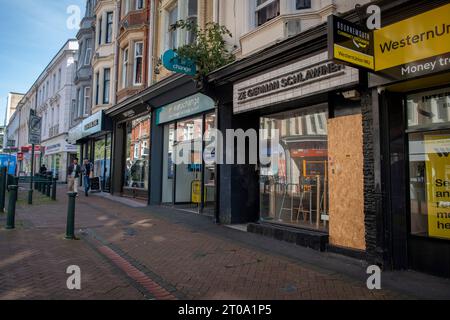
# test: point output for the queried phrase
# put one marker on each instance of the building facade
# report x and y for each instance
(12, 101)
(55, 95)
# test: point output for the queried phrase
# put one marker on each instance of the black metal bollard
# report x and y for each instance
(49, 187)
(3, 180)
(54, 189)
(11, 217)
(70, 229)
(30, 196)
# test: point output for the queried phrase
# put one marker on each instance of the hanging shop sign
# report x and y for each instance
(60, 147)
(171, 61)
(303, 78)
(93, 124)
(437, 148)
(192, 105)
(350, 43)
(410, 48)
(34, 128)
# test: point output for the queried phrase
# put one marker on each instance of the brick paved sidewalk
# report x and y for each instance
(153, 253)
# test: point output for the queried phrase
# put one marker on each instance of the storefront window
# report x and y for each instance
(294, 190)
(429, 108)
(429, 167)
(210, 168)
(99, 161)
(138, 153)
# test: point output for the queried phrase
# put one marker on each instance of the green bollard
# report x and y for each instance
(49, 187)
(70, 229)
(11, 217)
(30, 196)
(54, 189)
(3, 179)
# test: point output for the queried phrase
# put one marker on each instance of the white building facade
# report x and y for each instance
(55, 95)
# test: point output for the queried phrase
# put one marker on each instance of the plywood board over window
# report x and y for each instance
(345, 147)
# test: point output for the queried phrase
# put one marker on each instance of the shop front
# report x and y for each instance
(413, 90)
(188, 179)
(58, 154)
(306, 118)
(93, 137)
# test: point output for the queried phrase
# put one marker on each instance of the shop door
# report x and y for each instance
(188, 162)
(429, 182)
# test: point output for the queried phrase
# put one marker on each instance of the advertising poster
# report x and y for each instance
(437, 147)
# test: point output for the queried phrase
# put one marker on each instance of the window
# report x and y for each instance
(54, 83)
(80, 56)
(297, 168)
(266, 10)
(99, 28)
(303, 4)
(126, 6)
(87, 56)
(59, 78)
(106, 83)
(173, 33)
(139, 4)
(109, 27)
(79, 103)
(87, 100)
(192, 18)
(124, 67)
(138, 53)
(97, 87)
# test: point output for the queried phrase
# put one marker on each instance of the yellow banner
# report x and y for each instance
(437, 148)
(423, 36)
(353, 57)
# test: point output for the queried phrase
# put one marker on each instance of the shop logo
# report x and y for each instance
(442, 152)
(374, 280)
(74, 280)
(74, 19)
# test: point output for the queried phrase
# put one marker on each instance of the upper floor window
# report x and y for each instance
(173, 33)
(100, 31)
(87, 56)
(59, 78)
(139, 4)
(87, 100)
(106, 85)
(303, 4)
(138, 55)
(192, 17)
(97, 87)
(109, 27)
(124, 67)
(266, 10)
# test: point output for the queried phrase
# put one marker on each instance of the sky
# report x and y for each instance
(31, 34)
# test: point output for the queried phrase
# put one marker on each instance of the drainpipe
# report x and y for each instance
(151, 42)
(216, 8)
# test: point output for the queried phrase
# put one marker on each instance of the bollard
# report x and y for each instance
(43, 186)
(49, 187)
(30, 196)
(70, 229)
(54, 189)
(11, 217)
(3, 179)
(36, 178)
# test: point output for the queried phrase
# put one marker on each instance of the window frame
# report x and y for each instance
(135, 63)
(86, 100)
(262, 6)
(109, 27)
(88, 53)
(125, 62)
(306, 4)
(106, 88)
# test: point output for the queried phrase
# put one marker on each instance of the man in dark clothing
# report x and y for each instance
(43, 169)
(73, 176)
(87, 170)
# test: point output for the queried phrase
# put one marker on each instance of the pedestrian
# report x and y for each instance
(43, 169)
(87, 175)
(73, 176)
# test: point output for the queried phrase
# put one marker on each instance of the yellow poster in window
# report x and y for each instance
(437, 149)
(196, 191)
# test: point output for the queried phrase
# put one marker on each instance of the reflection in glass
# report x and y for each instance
(138, 153)
(295, 189)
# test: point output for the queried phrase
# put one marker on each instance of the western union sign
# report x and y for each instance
(421, 37)
(414, 47)
(351, 43)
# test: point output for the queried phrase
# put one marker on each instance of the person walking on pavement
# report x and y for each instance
(87, 173)
(43, 169)
(73, 176)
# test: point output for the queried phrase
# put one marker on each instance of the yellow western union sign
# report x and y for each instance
(437, 148)
(420, 37)
(353, 57)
